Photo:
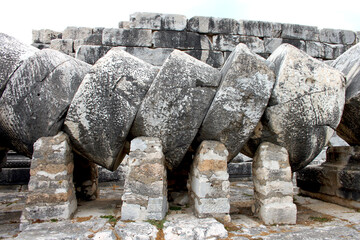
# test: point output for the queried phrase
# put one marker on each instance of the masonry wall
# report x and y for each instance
(152, 37)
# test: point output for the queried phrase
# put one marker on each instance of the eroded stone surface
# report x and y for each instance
(37, 97)
(176, 104)
(104, 107)
(240, 101)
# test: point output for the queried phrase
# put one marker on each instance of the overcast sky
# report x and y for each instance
(19, 17)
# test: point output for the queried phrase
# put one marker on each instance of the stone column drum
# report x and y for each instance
(208, 183)
(51, 189)
(145, 190)
(273, 189)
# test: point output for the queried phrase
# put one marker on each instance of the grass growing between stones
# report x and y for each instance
(320, 219)
(175, 208)
(159, 224)
(112, 220)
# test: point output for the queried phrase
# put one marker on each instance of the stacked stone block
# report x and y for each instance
(51, 189)
(273, 189)
(207, 38)
(145, 190)
(208, 183)
(337, 180)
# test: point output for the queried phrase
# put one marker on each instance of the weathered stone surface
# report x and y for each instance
(337, 36)
(154, 56)
(273, 189)
(349, 64)
(260, 29)
(305, 106)
(136, 230)
(229, 42)
(181, 40)
(37, 97)
(213, 58)
(145, 189)
(127, 37)
(300, 44)
(12, 55)
(76, 33)
(173, 22)
(124, 24)
(213, 25)
(241, 99)
(45, 36)
(104, 107)
(315, 49)
(158, 21)
(90, 54)
(51, 189)
(271, 44)
(302, 32)
(332, 51)
(176, 104)
(63, 45)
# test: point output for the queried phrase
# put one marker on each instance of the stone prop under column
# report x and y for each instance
(51, 189)
(145, 190)
(273, 189)
(337, 180)
(208, 183)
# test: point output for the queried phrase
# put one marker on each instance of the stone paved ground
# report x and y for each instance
(99, 220)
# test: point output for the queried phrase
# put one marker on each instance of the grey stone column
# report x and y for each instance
(51, 189)
(208, 184)
(273, 189)
(145, 190)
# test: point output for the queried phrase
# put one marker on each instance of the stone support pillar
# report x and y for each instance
(51, 189)
(208, 184)
(273, 189)
(145, 190)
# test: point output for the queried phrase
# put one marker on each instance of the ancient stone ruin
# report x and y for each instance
(162, 92)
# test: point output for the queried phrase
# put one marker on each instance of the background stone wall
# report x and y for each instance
(153, 36)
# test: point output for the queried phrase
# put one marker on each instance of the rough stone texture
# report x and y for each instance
(337, 36)
(305, 106)
(37, 97)
(315, 49)
(45, 36)
(271, 44)
(208, 182)
(76, 33)
(12, 55)
(349, 64)
(181, 40)
(127, 37)
(154, 56)
(336, 180)
(136, 230)
(213, 25)
(273, 189)
(173, 22)
(104, 107)
(176, 104)
(90, 54)
(240, 100)
(260, 29)
(63, 45)
(158, 21)
(213, 58)
(51, 189)
(181, 226)
(295, 31)
(229, 42)
(145, 190)
(332, 51)
(124, 24)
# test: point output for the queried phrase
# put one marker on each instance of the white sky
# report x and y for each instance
(19, 17)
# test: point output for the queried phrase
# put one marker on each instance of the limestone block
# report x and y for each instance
(12, 55)
(213, 58)
(273, 189)
(127, 37)
(176, 104)
(213, 25)
(63, 45)
(181, 40)
(37, 97)
(98, 30)
(124, 24)
(300, 44)
(271, 44)
(173, 22)
(337, 36)
(229, 42)
(90, 54)
(145, 20)
(301, 32)
(332, 51)
(260, 29)
(145, 189)
(76, 33)
(136, 230)
(211, 206)
(241, 100)
(315, 49)
(305, 106)
(45, 35)
(154, 56)
(349, 64)
(104, 107)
